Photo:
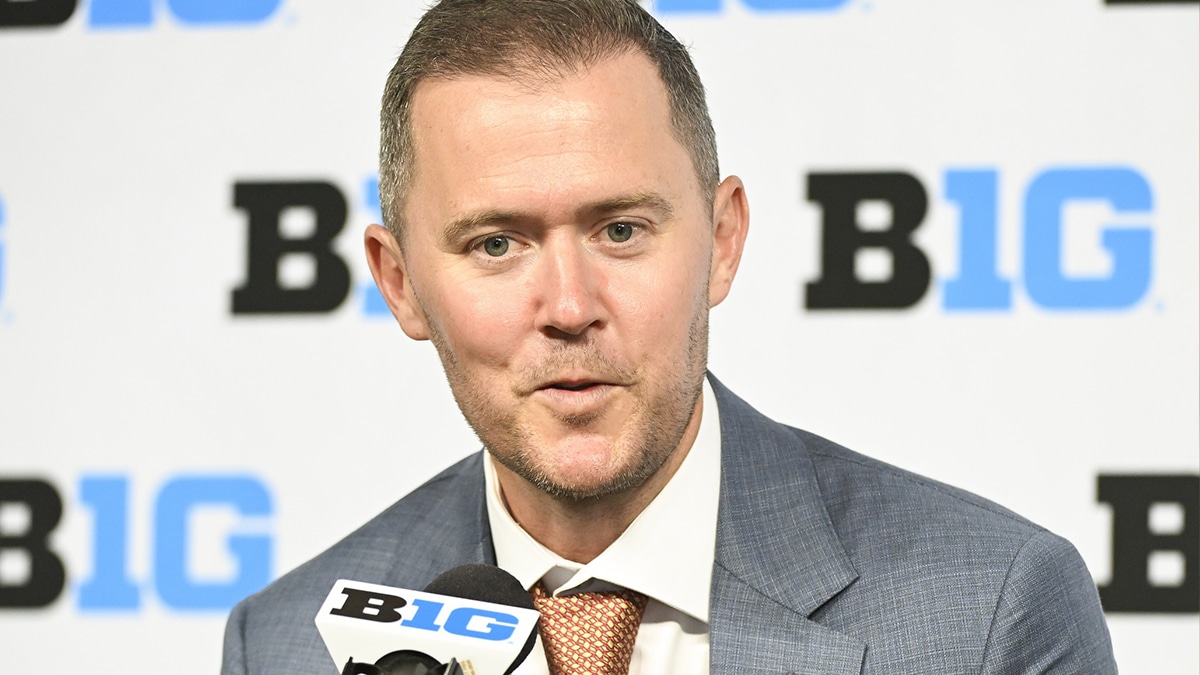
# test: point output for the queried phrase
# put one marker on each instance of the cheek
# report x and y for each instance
(481, 320)
(659, 305)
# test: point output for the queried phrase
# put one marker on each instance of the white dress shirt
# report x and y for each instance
(666, 553)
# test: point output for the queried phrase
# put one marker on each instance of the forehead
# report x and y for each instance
(602, 132)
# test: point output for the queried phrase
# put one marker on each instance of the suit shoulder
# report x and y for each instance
(367, 553)
(931, 578)
(851, 482)
(977, 580)
(273, 630)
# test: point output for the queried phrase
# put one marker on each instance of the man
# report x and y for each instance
(557, 229)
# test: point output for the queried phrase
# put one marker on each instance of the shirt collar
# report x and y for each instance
(666, 553)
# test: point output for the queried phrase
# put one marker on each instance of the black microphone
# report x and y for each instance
(489, 584)
(470, 620)
(404, 662)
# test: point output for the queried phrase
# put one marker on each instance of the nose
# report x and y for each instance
(568, 287)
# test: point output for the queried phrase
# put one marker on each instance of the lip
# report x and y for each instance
(580, 384)
(576, 381)
(575, 396)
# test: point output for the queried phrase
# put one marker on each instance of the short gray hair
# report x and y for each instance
(533, 40)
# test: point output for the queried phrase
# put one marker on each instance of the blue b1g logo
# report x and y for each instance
(137, 13)
(665, 6)
(1047, 279)
(34, 508)
(979, 285)
(118, 13)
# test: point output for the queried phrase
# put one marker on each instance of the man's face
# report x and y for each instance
(558, 252)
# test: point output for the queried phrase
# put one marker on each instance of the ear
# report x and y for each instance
(731, 222)
(391, 276)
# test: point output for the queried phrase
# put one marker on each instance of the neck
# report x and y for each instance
(580, 530)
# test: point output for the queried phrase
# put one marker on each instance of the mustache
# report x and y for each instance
(574, 362)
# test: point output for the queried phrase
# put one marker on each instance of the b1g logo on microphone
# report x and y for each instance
(364, 623)
(427, 614)
(137, 13)
(671, 6)
(191, 527)
(876, 214)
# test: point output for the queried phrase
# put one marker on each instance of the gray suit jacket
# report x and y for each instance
(827, 562)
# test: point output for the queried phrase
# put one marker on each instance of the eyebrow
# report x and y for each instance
(651, 201)
(462, 226)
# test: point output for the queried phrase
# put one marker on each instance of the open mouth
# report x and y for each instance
(573, 387)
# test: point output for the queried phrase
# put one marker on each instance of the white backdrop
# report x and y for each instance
(197, 452)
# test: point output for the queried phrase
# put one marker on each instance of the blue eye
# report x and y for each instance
(495, 246)
(619, 232)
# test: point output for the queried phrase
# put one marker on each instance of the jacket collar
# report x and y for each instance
(457, 515)
(778, 557)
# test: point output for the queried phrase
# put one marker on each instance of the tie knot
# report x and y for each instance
(589, 633)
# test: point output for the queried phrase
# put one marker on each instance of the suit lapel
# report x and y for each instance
(754, 634)
(778, 557)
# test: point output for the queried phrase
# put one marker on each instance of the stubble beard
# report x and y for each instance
(661, 414)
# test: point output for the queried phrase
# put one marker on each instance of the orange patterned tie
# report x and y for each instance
(589, 633)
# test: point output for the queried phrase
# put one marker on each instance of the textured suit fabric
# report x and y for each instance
(827, 562)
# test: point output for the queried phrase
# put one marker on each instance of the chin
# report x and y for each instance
(589, 472)
(585, 490)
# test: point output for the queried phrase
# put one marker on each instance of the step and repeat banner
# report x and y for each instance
(974, 253)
